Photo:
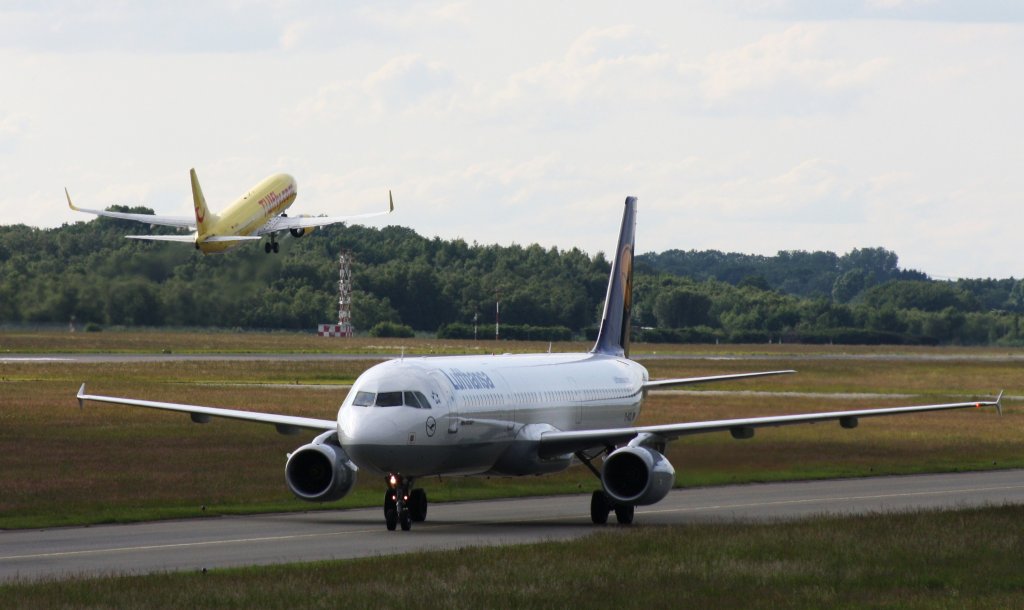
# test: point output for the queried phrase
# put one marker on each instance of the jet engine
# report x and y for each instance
(637, 476)
(299, 232)
(320, 472)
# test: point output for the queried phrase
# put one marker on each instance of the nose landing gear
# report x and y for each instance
(402, 504)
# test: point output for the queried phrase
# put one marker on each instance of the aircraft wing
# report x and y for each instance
(284, 223)
(559, 443)
(665, 383)
(153, 219)
(285, 424)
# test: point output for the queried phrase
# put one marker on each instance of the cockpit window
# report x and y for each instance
(407, 398)
(416, 399)
(389, 399)
(364, 399)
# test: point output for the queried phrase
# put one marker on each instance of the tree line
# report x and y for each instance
(404, 282)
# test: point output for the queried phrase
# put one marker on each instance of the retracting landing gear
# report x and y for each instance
(403, 505)
(600, 504)
(271, 245)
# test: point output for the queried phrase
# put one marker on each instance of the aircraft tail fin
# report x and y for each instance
(613, 336)
(203, 217)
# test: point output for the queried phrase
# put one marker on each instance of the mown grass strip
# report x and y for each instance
(60, 465)
(947, 559)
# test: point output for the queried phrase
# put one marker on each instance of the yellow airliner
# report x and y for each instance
(259, 212)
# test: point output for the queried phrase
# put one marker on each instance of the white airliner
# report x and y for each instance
(259, 212)
(512, 415)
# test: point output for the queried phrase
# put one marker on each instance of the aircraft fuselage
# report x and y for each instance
(268, 199)
(484, 414)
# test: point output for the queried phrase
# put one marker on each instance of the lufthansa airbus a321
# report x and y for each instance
(259, 212)
(512, 415)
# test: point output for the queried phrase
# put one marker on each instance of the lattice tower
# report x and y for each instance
(345, 292)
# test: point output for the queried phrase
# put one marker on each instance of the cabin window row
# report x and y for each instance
(523, 398)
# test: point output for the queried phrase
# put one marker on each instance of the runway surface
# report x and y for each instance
(264, 539)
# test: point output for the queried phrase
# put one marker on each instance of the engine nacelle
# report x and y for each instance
(299, 232)
(637, 476)
(319, 472)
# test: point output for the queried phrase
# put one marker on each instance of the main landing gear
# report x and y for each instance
(271, 245)
(600, 504)
(402, 504)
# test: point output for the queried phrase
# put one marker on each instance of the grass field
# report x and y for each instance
(221, 341)
(60, 465)
(954, 559)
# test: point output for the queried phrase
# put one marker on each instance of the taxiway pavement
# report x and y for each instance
(196, 544)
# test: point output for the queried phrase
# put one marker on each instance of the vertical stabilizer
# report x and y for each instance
(203, 217)
(613, 336)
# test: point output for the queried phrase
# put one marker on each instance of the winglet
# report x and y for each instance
(81, 397)
(391, 202)
(999, 402)
(70, 205)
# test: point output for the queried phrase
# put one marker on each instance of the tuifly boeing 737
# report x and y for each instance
(259, 212)
(408, 419)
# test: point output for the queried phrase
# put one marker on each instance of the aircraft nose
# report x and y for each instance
(365, 426)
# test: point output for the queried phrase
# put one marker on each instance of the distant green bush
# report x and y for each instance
(527, 332)
(694, 334)
(456, 330)
(391, 329)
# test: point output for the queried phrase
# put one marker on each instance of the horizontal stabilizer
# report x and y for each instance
(227, 238)
(192, 238)
(184, 238)
(667, 383)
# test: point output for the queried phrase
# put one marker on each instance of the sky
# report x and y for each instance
(741, 125)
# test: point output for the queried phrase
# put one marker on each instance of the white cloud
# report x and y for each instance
(402, 84)
(12, 124)
(786, 72)
(950, 11)
(897, 4)
(406, 80)
(420, 16)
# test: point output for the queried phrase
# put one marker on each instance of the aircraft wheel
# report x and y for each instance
(266, 247)
(599, 508)
(276, 247)
(624, 514)
(405, 520)
(391, 519)
(418, 505)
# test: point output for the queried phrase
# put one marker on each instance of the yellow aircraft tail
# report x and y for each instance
(203, 217)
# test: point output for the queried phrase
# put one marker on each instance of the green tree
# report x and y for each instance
(680, 307)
